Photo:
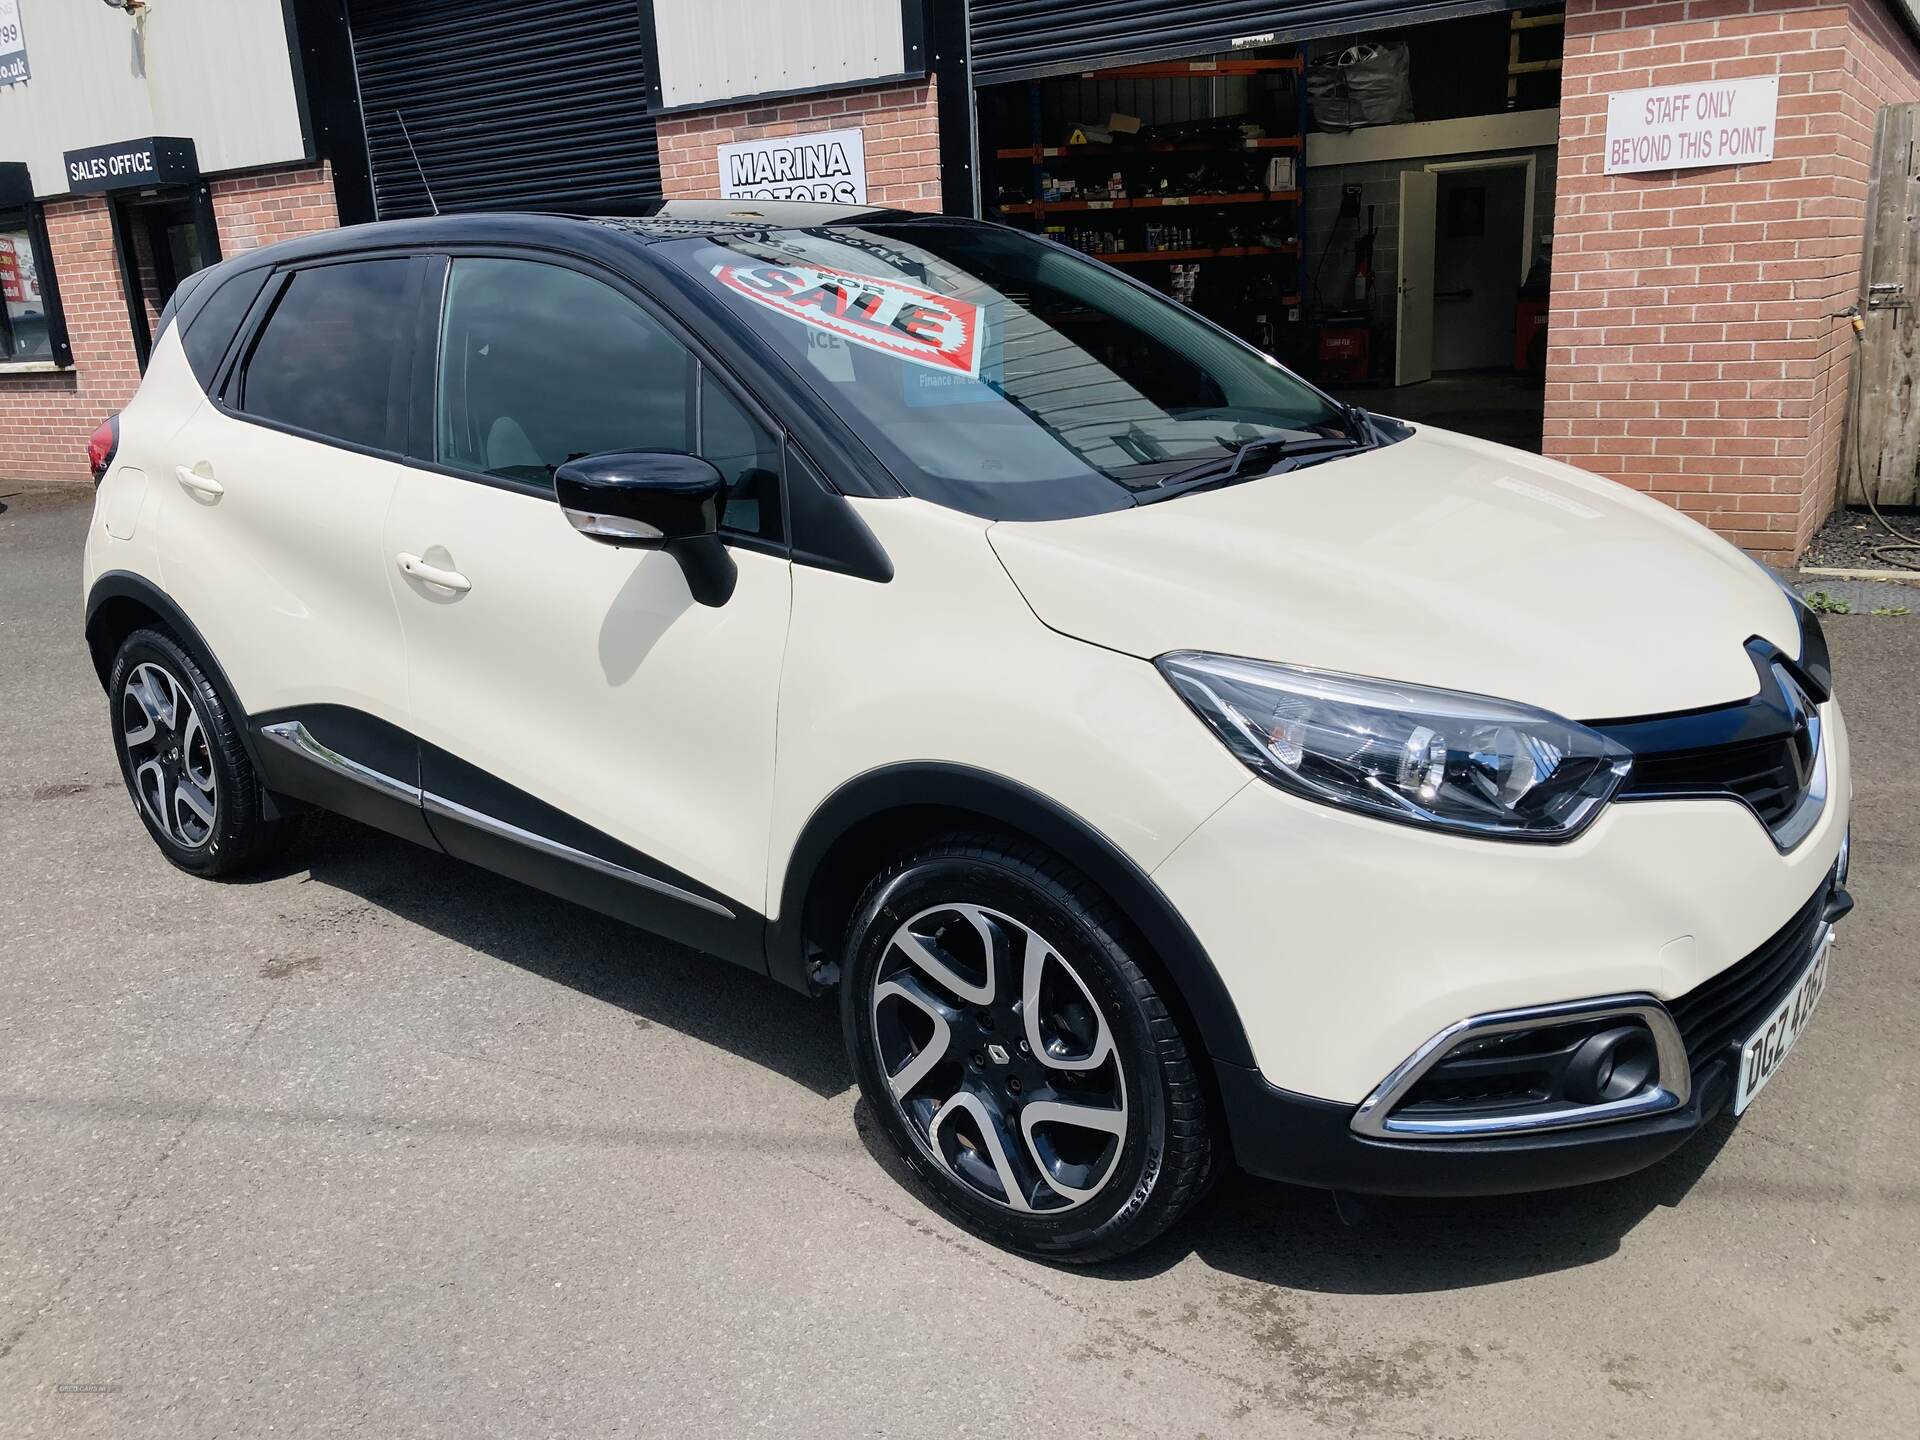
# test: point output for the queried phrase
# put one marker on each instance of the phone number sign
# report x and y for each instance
(13, 45)
(1685, 127)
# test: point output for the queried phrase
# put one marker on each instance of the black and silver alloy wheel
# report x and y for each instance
(1017, 1053)
(998, 1058)
(183, 759)
(169, 755)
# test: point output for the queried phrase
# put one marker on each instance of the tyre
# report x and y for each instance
(181, 756)
(1018, 1055)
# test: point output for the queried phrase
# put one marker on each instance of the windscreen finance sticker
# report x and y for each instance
(885, 315)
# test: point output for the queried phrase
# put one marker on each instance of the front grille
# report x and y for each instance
(1714, 1015)
(1762, 751)
(1763, 773)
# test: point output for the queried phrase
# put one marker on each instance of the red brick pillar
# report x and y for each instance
(1690, 353)
(45, 418)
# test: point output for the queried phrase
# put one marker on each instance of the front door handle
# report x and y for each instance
(200, 480)
(414, 568)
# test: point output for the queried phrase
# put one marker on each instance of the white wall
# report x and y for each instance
(216, 71)
(714, 50)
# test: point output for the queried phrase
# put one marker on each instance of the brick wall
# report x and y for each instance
(45, 419)
(899, 125)
(1690, 350)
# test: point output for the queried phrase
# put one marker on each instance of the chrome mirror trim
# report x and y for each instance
(599, 526)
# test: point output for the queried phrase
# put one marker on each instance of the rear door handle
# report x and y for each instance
(198, 482)
(414, 568)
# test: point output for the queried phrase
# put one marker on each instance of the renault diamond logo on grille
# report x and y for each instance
(1799, 710)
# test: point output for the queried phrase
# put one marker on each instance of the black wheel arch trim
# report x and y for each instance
(923, 785)
(125, 585)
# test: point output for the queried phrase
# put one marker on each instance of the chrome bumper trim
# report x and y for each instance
(1375, 1119)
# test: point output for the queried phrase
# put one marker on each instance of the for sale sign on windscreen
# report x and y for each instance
(941, 331)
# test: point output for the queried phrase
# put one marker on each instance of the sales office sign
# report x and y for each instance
(132, 164)
(1685, 127)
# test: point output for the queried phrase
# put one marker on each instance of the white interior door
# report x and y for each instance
(1413, 308)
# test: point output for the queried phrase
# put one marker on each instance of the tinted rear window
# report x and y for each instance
(211, 329)
(325, 360)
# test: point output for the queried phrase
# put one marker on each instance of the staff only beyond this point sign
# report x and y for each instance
(827, 165)
(1683, 127)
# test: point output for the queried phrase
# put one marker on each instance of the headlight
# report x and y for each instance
(1404, 752)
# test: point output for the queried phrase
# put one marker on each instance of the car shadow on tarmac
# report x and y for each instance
(653, 979)
(1274, 1234)
(1291, 1237)
(1288, 1236)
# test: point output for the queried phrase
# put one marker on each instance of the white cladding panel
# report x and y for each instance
(714, 50)
(215, 71)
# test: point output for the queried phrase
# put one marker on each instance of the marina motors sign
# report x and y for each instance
(1684, 127)
(828, 165)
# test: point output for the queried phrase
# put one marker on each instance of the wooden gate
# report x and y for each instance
(1883, 448)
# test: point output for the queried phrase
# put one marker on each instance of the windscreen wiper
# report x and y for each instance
(1254, 457)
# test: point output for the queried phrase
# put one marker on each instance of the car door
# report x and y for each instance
(271, 526)
(584, 723)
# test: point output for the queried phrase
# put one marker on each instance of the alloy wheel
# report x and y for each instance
(169, 755)
(999, 1059)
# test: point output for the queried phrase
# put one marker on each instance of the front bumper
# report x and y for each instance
(1282, 1136)
(1285, 1136)
(1345, 942)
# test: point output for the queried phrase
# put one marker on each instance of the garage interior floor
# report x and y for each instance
(1492, 405)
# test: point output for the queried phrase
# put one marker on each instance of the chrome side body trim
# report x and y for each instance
(453, 810)
(294, 736)
(1375, 1119)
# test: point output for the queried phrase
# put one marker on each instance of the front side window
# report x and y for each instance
(540, 365)
(747, 455)
(1000, 375)
(324, 362)
(26, 331)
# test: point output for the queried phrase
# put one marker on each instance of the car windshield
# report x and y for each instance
(1003, 376)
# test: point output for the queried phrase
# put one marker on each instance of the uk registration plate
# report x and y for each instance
(1767, 1047)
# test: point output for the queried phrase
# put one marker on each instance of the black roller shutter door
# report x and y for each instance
(1021, 39)
(512, 104)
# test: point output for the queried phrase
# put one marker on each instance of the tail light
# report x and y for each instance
(101, 447)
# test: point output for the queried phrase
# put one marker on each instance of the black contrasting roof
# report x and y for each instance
(606, 238)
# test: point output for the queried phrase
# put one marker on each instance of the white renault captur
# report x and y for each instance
(1165, 762)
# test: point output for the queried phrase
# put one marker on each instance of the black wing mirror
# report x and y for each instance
(653, 500)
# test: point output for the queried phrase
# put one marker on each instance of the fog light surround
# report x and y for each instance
(1548, 1067)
